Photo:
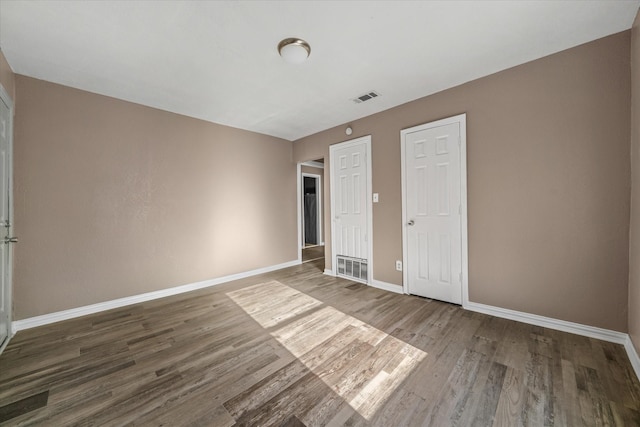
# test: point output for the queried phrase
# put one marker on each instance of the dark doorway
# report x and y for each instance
(311, 229)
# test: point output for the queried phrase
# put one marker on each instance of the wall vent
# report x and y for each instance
(352, 268)
(366, 97)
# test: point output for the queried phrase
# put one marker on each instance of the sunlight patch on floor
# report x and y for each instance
(360, 363)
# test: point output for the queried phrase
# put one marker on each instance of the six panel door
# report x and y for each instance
(433, 212)
(349, 169)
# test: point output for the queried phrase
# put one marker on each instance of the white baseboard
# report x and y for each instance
(633, 355)
(565, 326)
(386, 286)
(533, 319)
(45, 319)
(374, 283)
(548, 322)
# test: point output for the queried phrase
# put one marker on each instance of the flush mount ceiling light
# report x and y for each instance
(294, 50)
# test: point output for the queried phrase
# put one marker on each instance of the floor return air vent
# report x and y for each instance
(353, 268)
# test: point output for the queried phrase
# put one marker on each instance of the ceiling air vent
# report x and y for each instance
(366, 97)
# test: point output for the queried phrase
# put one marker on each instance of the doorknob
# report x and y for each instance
(8, 240)
(411, 222)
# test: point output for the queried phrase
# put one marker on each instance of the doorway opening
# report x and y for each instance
(312, 228)
(311, 210)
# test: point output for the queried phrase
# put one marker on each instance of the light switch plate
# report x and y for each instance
(375, 198)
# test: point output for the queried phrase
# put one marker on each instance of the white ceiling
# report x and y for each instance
(218, 61)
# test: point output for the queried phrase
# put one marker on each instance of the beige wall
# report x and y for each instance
(312, 170)
(114, 199)
(548, 182)
(634, 246)
(7, 78)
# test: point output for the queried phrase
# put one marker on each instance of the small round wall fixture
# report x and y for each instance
(348, 130)
(294, 50)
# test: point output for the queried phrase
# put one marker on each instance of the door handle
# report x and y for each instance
(411, 222)
(8, 240)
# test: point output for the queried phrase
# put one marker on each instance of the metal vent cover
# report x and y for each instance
(352, 268)
(366, 97)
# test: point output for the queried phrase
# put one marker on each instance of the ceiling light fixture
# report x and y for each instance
(294, 50)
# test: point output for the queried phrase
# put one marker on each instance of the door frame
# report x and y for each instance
(299, 201)
(461, 119)
(366, 140)
(318, 179)
(4, 95)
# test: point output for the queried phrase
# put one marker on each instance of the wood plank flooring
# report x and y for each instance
(311, 253)
(299, 348)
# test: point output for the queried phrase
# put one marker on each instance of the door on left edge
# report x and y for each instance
(6, 228)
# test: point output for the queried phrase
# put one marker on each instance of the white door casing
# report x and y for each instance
(6, 217)
(300, 202)
(434, 210)
(351, 206)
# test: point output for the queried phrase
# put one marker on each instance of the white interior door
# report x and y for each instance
(350, 207)
(5, 217)
(432, 198)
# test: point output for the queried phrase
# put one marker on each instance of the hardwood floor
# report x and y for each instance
(312, 253)
(299, 348)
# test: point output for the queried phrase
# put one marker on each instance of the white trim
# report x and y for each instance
(548, 322)
(4, 96)
(633, 355)
(564, 326)
(386, 286)
(369, 208)
(366, 140)
(403, 192)
(313, 246)
(463, 203)
(299, 208)
(320, 212)
(329, 272)
(461, 119)
(313, 164)
(46, 319)
(299, 204)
